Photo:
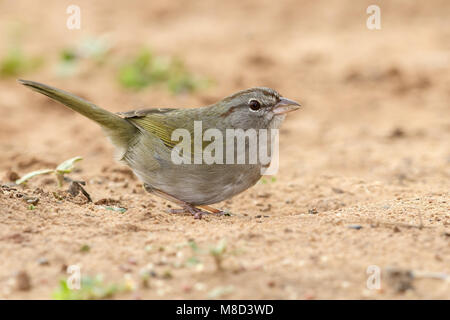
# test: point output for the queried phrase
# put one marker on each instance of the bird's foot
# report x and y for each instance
(196, 212)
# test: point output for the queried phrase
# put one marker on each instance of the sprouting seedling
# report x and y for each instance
(15, 62)
(217, 253)
(89, 49)
(62, 169)
(193, 260)
(148, 69)
(194, 246)
(96, 48)
(91, 288)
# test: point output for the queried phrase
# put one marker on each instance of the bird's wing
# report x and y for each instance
(144, 112)
(155, 121)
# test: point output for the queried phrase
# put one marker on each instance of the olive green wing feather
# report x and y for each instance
(161, 122)
(155, 121)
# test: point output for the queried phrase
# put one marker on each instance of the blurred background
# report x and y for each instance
(373, 135)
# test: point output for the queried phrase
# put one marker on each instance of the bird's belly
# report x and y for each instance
(204, 184)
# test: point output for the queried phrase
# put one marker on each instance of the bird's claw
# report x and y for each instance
(197, 213)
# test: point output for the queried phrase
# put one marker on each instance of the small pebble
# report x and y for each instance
(12, 176)
(23, 281)
(31, 200)
(354, 226)
(125, 268)
(187, 288)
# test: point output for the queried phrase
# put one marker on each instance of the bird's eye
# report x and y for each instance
(254, 105)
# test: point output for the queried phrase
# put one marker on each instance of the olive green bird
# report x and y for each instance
(143, 141)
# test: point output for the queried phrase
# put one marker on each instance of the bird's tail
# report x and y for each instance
(119, 130)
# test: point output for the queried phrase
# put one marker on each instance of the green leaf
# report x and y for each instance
(91, 288)
(32, 174)
(85, 248)
(63, 292)
(118, 209)
(146, 69)
(68, 165)
(68, 55)
(16, 63)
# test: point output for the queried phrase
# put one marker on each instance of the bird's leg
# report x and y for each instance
(192, 210)
(196, 212)
(186, 207)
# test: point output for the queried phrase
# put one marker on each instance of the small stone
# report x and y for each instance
(23, 281)
(313, 211)
(263, 195)
(43, 261)
(400, 280)
(309, 296)
(337, 190)
(31, 200)
(354, 226)
(125, 268)
(187, 288)
(74, 189)
(397, 133)
(12, 176)
(107, 202)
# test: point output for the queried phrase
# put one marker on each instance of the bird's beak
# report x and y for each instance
(285, 106)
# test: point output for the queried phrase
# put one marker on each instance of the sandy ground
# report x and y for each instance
(364, 172)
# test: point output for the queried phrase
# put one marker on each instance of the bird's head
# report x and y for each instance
(256, 108)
